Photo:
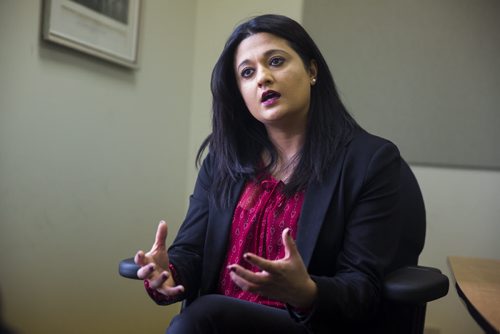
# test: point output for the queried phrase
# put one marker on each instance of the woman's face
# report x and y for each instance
(274, 83)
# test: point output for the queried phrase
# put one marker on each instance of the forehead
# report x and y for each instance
(258, 44)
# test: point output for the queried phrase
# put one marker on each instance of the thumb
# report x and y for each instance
(289, 243)
(161, 235)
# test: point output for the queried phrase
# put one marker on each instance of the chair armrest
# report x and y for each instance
(128, 269)
(412, 284)
(415, 284)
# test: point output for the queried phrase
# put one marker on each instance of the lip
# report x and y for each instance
(269, 97)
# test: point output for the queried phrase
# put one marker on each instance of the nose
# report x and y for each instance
(264, 77)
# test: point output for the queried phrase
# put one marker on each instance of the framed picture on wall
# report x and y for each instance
(108, 29)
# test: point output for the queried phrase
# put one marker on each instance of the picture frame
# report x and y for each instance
(108, 29)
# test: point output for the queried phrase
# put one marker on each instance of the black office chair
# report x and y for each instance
(409, 287)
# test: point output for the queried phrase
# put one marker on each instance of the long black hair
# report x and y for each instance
(238, 139)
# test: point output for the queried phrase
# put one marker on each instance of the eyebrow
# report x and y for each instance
(265, 55)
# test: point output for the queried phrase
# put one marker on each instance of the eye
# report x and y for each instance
(276, 61)
(246, 72)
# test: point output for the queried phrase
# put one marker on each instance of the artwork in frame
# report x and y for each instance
(108, 29)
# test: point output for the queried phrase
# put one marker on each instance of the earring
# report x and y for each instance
(313, 81)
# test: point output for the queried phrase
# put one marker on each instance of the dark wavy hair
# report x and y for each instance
(238, 139)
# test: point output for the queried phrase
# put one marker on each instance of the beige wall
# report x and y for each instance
(92, 156)
(424, 73)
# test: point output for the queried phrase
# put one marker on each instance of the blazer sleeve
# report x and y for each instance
(186, 252)
(371, 235)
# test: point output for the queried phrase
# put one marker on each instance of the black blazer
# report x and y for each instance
(348, 233)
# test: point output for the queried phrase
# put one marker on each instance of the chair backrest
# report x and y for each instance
(403, 315)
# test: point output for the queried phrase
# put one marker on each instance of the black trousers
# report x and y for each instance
(219, 314)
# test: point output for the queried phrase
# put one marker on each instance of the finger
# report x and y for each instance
(260, 262)
(289, 243)
(242, 283)
(161, 235)
(257, 278)
(172, 292)
(145, 271)
(139, 258)
(158, 282)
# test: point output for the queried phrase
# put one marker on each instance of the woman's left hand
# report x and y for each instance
(285, 279)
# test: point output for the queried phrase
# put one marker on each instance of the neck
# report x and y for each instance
(288, 146)
(287, 142)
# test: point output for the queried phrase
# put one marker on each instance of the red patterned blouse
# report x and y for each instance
(260, 217)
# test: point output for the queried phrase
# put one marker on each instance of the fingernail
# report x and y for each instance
(246, 256)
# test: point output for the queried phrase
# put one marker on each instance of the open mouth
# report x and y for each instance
(269, 97)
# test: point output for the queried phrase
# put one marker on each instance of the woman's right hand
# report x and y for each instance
(155, 265)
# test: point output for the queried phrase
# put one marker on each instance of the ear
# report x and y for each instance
(313, 69)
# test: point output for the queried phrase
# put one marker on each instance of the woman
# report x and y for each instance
(292, 223)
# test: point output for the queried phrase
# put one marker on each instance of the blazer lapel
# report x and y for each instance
(317, 200)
